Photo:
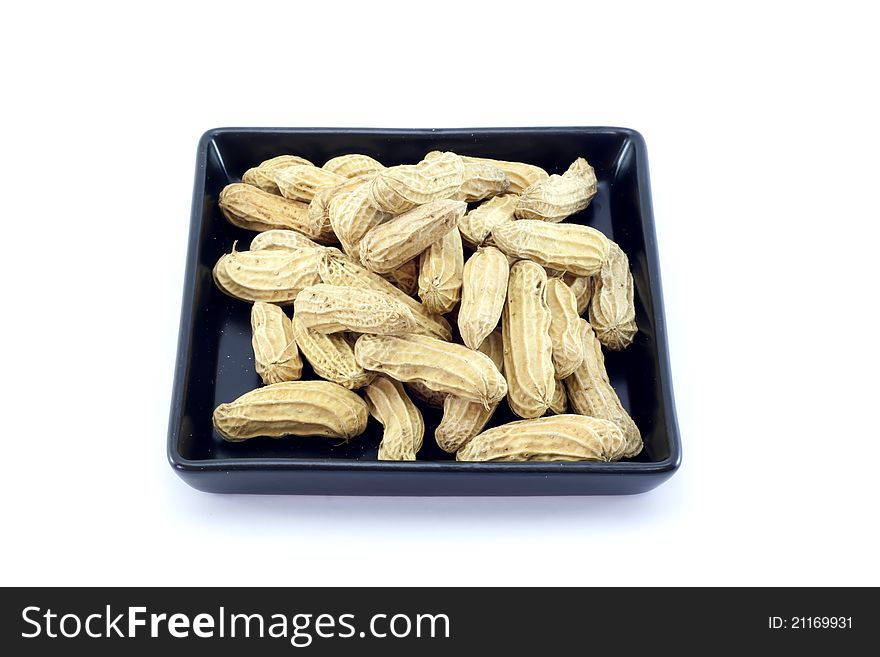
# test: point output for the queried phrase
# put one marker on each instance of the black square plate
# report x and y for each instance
(215, 359)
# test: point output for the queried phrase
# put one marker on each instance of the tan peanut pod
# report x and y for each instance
(389, 245)
(590, 392)
(276, 357)
(262, 176)
(352, 166)
(289, 240)
(404, 426)
(565, 330)
(582, 286)
(352, 215)
(405, 278)
(300, 182)
(251, 208)
(482, 180)
(554, 199)
(580, 168)
(483, 292)
(331, 355)
(319, 206)
(260, 179)
(463, 419)
(559, 402)
(573, 248)
(401, 188)
(528, 351)
(553, 438)
(334, 308)
(612, 309)
(440, 273)
(425, 395)
(272, 275)
(441, 366)
(493, 347)
(520, 174)
(477, 225)
(293, 408)
(337, 269)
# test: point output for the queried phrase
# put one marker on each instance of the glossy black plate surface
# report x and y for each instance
(215, 359)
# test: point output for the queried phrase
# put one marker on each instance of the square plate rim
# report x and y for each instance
(184, 465)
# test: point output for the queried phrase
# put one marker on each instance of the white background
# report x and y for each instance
(762, 128)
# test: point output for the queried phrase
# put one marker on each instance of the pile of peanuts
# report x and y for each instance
(351, 243)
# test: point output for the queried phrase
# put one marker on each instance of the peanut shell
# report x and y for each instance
(292, 408)
(276, 356)
(553, 438)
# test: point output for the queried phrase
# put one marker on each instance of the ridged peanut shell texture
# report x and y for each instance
(251, 208)
(483, 292)
(391, 244)
(463, 419)
(573, 248)
(276, 357)
(319, 206)
(333, 308)
(331, 356)
(582, 169)
(590, 392)
(405, 278)
(263, 176)
(337, 269)
(520, 174)
(528, 350)
(271, 275)
(404, 427)
(401, 188)
(289, 240)
(554, 199)
(553, 438)
(559, 402)
(582, 286)
(441, 366)
(612, 307)
(477, 225)
(425, 395)
(353, 215)
(565, 334)
(440, 273)
(301, 182)
(482, 180)
(353, 165)
(293, 408)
